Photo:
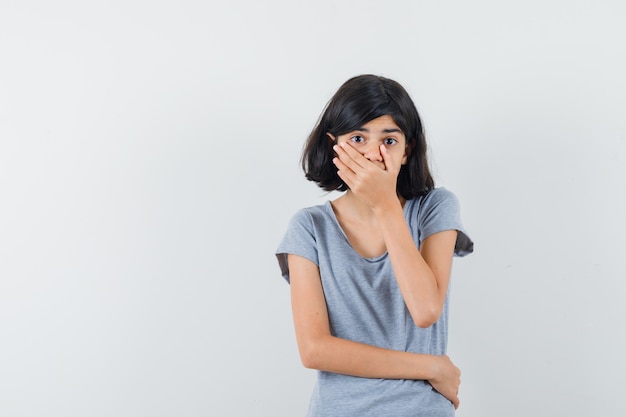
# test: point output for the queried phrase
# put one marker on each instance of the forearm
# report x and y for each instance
(333, 354)
(418, 284)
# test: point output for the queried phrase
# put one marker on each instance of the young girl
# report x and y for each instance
(369, 271)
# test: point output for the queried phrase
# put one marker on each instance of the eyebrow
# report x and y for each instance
(391, 130)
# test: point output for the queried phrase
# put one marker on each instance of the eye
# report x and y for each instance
(357, 139)
(390, 141)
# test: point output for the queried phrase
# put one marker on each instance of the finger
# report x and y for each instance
(345, 173)
(342, 166)
(351, 156)
(344, 159)
(390, 163)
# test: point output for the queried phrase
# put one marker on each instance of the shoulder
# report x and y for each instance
(301, 237)
(312, 220)
(437, 199)
(440, 195)
(308, 216)
(437, 211)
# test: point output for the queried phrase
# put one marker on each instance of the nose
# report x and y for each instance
(373, 152)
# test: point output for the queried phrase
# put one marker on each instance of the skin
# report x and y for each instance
(371, 214)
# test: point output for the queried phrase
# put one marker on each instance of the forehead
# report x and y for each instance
(382, 124)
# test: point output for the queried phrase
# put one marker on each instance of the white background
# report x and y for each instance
(149, 165)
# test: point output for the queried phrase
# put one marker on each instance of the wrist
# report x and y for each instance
(385, 206)
(428, 367)
(434, 369)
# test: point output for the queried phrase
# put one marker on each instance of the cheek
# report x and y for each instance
(403, 157)
(407, 152)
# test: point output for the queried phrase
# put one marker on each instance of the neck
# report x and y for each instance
(351, 205)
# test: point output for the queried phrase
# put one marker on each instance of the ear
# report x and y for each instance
(331, 137)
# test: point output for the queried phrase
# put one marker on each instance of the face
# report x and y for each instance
(380, 131)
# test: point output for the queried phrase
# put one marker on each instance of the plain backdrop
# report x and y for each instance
(149, 164)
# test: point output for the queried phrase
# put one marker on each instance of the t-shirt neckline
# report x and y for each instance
(331, 212)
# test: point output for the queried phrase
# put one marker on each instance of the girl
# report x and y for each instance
(369, 271)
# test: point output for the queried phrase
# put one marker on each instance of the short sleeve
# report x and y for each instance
(441, 211)
(299, 239)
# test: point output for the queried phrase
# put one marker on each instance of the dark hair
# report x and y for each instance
(359, 100)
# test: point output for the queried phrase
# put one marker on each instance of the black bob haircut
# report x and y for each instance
(358, 101)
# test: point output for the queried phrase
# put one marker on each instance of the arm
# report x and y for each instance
(422, 276)
(320, 350)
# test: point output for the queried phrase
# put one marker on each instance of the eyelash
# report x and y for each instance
(384, 140)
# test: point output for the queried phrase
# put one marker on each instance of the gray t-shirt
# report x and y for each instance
(365, 305)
